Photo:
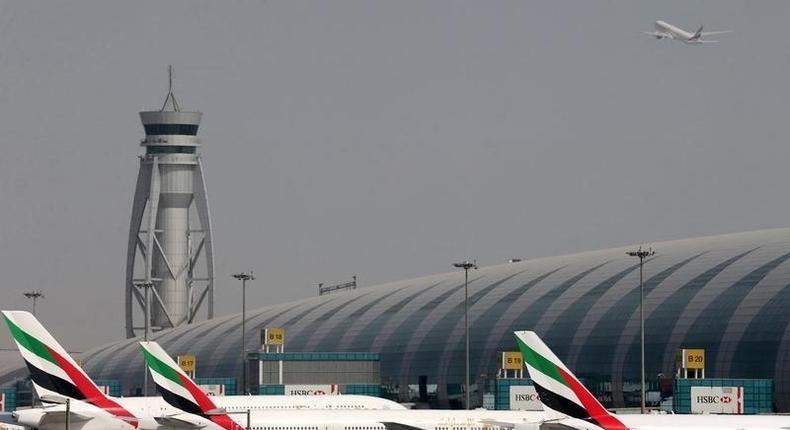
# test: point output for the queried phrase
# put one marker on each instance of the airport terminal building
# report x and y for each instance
(727, 294)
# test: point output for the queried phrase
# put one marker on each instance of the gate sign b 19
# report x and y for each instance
(511, 360)
(716, 400)
(524, 398)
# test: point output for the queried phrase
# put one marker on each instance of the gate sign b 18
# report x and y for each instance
(716, 400)
(524, 398)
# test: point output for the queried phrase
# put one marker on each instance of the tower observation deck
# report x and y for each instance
(170, 259)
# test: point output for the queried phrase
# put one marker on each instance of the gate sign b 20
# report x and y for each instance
(693, 358)
(717, 400)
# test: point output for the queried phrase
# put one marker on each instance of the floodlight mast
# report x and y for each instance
(244, 277)
(466, 265)
(34, 296)
(642, 255)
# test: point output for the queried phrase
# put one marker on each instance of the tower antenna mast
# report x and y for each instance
(170, 95)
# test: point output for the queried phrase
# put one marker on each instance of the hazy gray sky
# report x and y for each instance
(383, 139)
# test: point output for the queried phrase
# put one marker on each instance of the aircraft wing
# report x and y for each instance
(711, 33)
(500, 424)
(389, 425)
(59, 417)
(181, 422)
(7, 418)
(549, 423)
(658, 34)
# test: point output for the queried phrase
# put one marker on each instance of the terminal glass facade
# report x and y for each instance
(728, 294)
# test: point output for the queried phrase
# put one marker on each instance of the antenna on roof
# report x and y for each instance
(170, 96)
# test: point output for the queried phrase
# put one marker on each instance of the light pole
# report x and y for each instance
(642, 254)
(34, 295)
(147, 306)
(466, 265)
(244, 277)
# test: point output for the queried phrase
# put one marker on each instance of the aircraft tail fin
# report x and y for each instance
(51, 367)
(698, 34)
(559, 390)
(179, 390)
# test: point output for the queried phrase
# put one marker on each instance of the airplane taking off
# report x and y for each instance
(562, 393)
(668, 31)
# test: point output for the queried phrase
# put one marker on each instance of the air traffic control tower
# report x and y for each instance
(170, 260)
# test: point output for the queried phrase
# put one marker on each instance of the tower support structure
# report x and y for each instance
(169, 248)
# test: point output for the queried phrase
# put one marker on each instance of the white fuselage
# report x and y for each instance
(148, 408)
(494, 420)
(423, 419)
(705, 422)
(673, 32)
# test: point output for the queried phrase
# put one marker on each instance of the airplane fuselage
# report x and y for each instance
(394, 420)
(90, 417)
(484, 420)
(705, 422)
(672, 31)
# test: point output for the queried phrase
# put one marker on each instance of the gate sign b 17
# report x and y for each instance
(716, 400)
(524, 398)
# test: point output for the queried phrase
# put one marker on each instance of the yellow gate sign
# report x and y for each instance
(274, 336)
(693, 358)
(511, 360)
(187, 363)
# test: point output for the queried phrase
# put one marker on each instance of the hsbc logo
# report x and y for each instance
(714, 399)
(526, 397)
(312, 390)
(308, 393)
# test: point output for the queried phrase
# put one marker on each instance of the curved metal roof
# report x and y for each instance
(727, 294)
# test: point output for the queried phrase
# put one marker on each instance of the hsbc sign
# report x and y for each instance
(311, 390)
(213, 389)
(716, 400)
(524, 398)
